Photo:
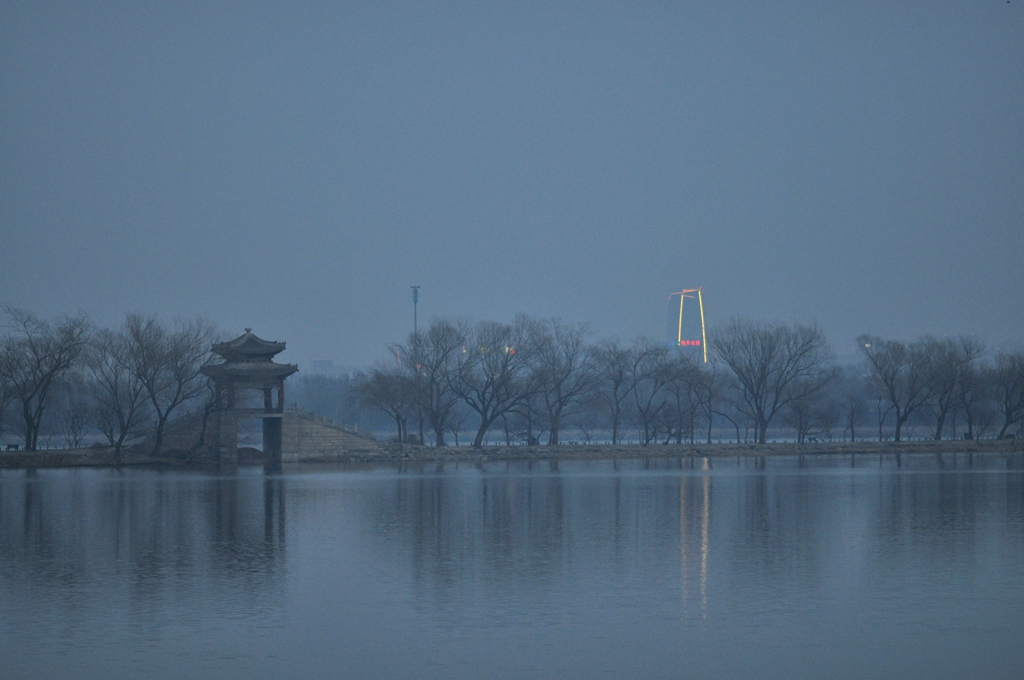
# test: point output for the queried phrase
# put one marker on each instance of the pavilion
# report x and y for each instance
(248, 367)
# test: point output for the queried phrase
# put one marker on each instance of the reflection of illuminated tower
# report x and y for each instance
(703, 342)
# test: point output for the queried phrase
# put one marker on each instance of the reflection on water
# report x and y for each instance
(146, 527)
(851, 566)
(92, 558)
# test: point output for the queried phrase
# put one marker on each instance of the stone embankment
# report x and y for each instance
(609, 452)
(91, 457)
(311, 439)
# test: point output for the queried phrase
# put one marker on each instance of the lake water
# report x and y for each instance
(827, 567)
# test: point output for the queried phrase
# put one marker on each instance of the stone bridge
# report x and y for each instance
(308, 436)
(305, 436)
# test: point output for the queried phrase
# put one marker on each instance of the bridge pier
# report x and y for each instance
(272, 444)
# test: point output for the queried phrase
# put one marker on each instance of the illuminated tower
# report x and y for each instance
(703, 342)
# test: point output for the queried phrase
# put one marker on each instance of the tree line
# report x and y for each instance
(125, 382)
(529, 381)
(532, 379)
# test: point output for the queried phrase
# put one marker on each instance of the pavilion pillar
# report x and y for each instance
(227, 444)
(272, 444)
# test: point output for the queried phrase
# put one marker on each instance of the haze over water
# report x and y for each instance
(827, 567)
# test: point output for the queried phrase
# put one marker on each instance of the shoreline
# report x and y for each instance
(404, 453)
(410, 453)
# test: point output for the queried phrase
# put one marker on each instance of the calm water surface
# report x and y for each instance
(823, 568)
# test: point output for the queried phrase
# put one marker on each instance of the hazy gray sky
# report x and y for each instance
(295, 167)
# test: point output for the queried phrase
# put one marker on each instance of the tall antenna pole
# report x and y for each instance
(416, 357)
(415, 302)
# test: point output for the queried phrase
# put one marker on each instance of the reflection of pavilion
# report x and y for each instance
(248, 365)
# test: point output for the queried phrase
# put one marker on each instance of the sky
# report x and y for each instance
(296, 167)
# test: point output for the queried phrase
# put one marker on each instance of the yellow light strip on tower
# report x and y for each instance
(703, 333)
(679, 339)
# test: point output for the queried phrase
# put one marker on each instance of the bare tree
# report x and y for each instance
(728, 403)
(985, 419)
(882, 414)
(75, 410)
(590, 418)
(775, 364)
(684, 394)
(799, 414)
(527, 421)
(978, 402)
(613, 386)
(819, 415)
(708, 388)
(433, 361)
(649, 374)
(852, 393)
(391, 390)
(974, 397)
(948, 360)
(899, 371)
(33, 357)
(168, 363)
(827, 415)
(6, 395)
(119, 395)
(563, 365)
(493, 375)
(457, 421)
(1008, 388)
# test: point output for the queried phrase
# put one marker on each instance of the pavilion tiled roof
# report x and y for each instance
(248, 348)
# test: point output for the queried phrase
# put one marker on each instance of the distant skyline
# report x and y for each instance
(295, 169)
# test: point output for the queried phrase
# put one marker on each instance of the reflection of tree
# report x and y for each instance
(526, 524)
(143, 535)
(783, 516)
(514, 529)
(935, 516)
